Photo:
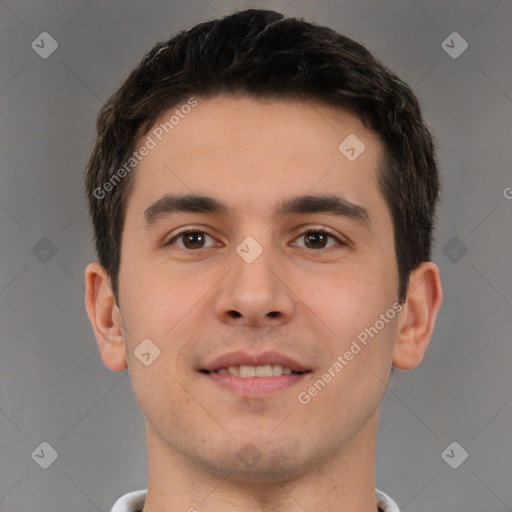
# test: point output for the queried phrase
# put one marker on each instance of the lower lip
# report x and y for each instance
(255, 386)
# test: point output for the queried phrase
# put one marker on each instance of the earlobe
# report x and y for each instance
(105, 317)
(417, 319)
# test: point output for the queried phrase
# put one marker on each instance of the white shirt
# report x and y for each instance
(134, 502)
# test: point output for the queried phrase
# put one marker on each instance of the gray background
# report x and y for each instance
(53, 385)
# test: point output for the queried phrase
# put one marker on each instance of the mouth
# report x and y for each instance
(264, 371)
(251, 375)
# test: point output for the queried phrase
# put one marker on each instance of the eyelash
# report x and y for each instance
(307, 232)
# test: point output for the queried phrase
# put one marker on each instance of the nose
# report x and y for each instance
(255, 294)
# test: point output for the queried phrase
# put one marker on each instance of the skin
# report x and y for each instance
(251, 154)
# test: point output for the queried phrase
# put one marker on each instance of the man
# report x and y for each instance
(263, 195)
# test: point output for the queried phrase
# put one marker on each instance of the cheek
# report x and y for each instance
(167, 307)
(343, 298)
(356, 305)
(155, 296)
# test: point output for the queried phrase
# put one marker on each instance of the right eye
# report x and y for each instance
(192, 239)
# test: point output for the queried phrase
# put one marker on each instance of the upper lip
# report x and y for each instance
(242, 358)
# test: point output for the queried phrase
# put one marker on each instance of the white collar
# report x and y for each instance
(134, 502)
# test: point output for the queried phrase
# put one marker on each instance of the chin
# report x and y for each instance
(259, 461)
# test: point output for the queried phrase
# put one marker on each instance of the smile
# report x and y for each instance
(268, 370)
(254, 381)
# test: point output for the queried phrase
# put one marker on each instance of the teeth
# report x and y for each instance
(263, 371)
(247, 371)
(268, 370)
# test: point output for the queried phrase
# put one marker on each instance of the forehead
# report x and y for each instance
(251, 152)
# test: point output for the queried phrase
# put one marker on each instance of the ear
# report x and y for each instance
(417, 319)
(105, 317)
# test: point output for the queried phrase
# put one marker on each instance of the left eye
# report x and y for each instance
(196, 239)
(318, 237)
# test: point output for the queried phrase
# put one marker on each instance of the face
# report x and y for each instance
(251, 285)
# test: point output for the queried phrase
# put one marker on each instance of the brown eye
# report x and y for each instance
(191, 239)
(317, 239)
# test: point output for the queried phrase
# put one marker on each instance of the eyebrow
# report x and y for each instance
(295, 205)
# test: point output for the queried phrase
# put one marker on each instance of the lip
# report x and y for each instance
(243, 358)
(254, 386)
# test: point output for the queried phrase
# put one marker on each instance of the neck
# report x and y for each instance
(340, 481)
